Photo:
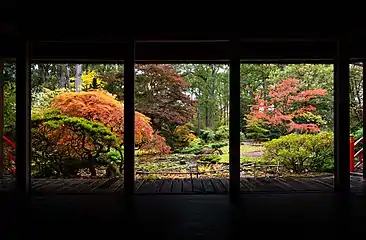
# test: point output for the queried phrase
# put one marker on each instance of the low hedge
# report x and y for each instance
(302, 152)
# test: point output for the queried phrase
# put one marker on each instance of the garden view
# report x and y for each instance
(181, 119)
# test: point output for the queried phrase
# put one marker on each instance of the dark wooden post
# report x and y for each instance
(23, 116)
(364, 111)
(341, 117)
(234, 148)
(129, 118)
(1, 118)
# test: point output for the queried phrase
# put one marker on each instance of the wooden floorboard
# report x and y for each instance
(311, 184)
(138, 184)
(296, 185)
(198, 185)
(177, 186)
(185, 186)
(51, 186)
(218, 186)
(105, 186)
(70, 186)
(246, 185)
(42, 183)
(166, 186)
(270, 185)
(94, 183)
(158, 185)
(118, 185)
(225, 184)
(146, 187)
(84, 186)
(208, 187)
(283, 184)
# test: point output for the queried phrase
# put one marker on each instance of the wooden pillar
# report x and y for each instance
(234, 147)
(23, 116)
(1, 118)
(364, 111)
(341, 118)
(129, 119)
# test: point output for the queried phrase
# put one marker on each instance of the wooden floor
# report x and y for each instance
(184, 186)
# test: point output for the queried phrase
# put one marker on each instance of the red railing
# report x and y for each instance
(10, 156)
(358, 155)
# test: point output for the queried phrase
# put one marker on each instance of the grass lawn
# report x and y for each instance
(243, 149)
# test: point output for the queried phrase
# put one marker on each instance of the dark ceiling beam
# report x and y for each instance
(295, 51)
(188, 51)
(115, 32)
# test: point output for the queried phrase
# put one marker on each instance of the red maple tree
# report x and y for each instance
(286, 102)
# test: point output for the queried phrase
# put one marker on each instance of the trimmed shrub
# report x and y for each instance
(322, 152)
(217, 145)
(209, 159)
(222, 133)
(194, 147)
(183, 135)
(301, 152)
(207, 135)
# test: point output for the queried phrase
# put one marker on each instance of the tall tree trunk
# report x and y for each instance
(212, 122)
(227, 113)
(213, 100)
(221, 113)
(206, 113)
(43, 73)
(198, 118)
(62, 81)
(198, 113)
(67, 79)
(79, 69)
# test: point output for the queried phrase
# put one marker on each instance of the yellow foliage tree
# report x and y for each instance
(87, 81)
(88, 78)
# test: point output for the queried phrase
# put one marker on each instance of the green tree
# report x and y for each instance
(356, 96)
(209, 85)
(8, 78)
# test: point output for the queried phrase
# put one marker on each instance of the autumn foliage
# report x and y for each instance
(285, 104)
(168, 90)
(161, 94)
(100, 106)
(68, 143)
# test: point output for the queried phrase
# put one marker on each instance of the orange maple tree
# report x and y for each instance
(100, 106)
(286, 103)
